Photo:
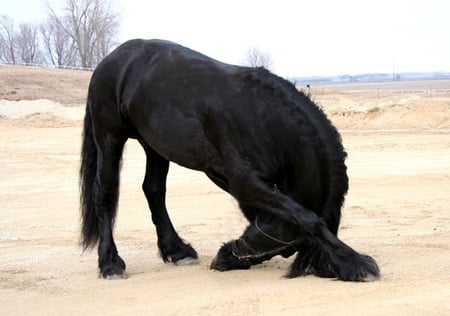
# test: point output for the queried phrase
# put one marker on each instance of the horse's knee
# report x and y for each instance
(245, 186)
(249, 212)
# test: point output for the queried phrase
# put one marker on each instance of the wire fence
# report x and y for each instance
(49, 66)
(406, 91)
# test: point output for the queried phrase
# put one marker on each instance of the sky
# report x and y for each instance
(303, 37)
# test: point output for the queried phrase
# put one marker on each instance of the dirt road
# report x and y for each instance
(397, 210)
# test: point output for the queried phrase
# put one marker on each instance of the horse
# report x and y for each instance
(251, 132)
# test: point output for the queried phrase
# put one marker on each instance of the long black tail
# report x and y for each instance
(88, 170)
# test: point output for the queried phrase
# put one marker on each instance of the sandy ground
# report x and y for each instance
(397, 210)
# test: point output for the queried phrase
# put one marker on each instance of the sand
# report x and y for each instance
(397, 210)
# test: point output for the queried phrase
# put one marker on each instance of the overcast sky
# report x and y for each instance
(314, 37)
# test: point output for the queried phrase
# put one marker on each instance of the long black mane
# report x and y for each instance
(313, 122)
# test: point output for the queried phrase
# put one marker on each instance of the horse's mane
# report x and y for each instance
(303, 109)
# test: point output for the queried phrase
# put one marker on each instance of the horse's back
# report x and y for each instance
(211, 116)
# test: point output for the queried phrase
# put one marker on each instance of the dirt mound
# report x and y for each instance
(39, 113)
(413, 112)
(52, 98)
(39, 120)
(410, 113)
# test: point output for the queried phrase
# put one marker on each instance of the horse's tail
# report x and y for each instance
(88, 170)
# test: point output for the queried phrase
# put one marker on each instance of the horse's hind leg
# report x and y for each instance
(171, 247)
(106, 193)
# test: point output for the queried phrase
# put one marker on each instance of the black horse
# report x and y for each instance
(251, 132)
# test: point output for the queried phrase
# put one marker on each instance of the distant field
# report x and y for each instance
(371, 105)
(387, 85)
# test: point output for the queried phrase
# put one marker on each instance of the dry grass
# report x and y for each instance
(68, 87)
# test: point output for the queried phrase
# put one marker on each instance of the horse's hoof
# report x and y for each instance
(215, 266)
(116, 276)
(219, 264)
(359, 268)
(369, 277)
(188, 261)
(225, 260)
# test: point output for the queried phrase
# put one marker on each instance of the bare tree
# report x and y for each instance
(258, 58)
(27, 41)
(7, 40)
(60, 49)
(92, 26)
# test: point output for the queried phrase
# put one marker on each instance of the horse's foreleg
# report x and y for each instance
(106, 193)
(171, 246)
(347, 263)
